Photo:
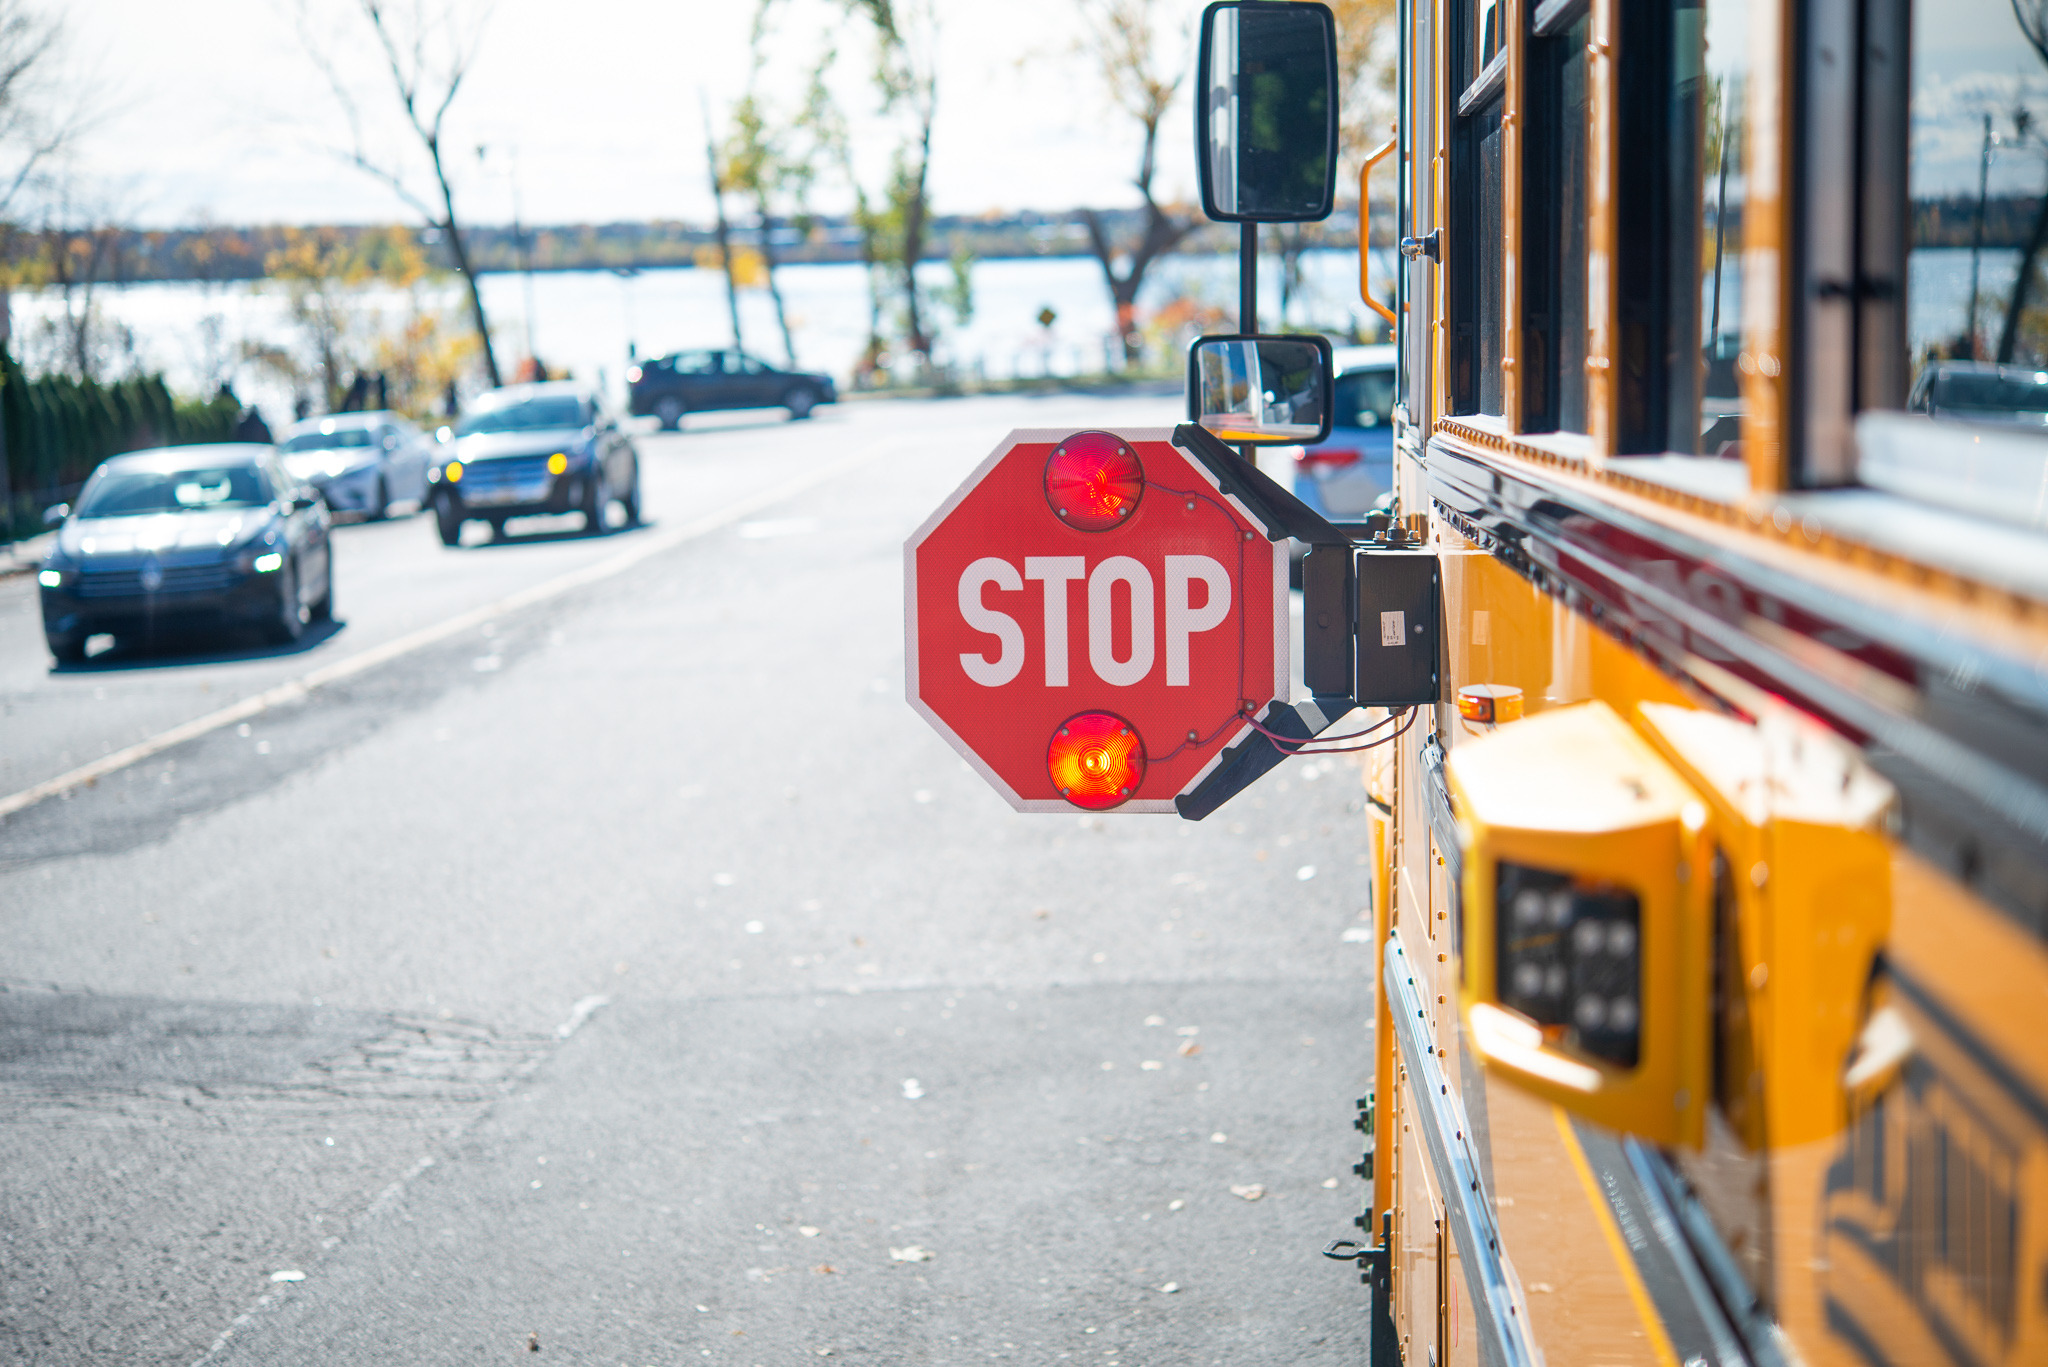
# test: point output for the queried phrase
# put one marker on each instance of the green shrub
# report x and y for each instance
(59, 429)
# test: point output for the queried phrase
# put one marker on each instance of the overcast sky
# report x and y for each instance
(220, 115)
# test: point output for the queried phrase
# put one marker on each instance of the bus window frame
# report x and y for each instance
(1477, 110)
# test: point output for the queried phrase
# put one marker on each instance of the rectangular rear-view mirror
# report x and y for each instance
(1266, 112)
(1261, 391)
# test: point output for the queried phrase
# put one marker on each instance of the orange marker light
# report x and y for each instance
(1490, 704)
(1096, 760)
(1093, 481)
(454, 472)
(557, 463)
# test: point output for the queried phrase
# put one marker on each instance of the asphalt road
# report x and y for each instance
(624, 974)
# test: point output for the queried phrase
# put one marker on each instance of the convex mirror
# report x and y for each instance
(1266, 112)
(1261, 390)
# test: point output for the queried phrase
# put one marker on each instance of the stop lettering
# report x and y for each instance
(1088, 616)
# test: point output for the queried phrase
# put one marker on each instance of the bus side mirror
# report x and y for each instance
(1262, 391)
(1266, 117)
(1587, 912)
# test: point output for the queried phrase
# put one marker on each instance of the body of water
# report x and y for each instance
(583, 321)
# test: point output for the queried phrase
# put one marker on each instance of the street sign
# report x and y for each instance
(1089, 618)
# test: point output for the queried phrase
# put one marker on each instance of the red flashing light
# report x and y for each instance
(1096, 760)
(1093, 481)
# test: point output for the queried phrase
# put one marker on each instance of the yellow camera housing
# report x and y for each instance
(1584, 958)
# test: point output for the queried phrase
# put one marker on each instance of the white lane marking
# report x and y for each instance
(296, 690)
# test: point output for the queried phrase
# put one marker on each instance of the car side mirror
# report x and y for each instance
(54, 515)
(1261, 391)
(1266, 86)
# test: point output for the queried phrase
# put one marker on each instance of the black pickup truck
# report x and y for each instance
(697, 381)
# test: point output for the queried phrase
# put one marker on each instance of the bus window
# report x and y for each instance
(1975, 331)
(1554, 229)
(1680, 229)
(1474, 274)
(1977, 303)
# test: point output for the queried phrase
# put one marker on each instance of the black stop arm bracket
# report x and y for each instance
(1283, 514)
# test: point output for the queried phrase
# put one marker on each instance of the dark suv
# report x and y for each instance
(697, 381)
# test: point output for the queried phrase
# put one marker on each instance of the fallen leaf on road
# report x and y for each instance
(1155, 1020)
(911, 1090)
(1219, 1138)
(824, 1269)
(1175, 1204)
(808, 1231)
(289, 1275)
(1189, 1030)
(1190, 1049)
(914, 1254)
(533, 1343)
(1329, 1184)
(1357, 935)
(1250, 1193)
(1305, 872)
(1170, 1288)
(1151, 1065)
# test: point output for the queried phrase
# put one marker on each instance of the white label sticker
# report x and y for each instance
(1393, 629)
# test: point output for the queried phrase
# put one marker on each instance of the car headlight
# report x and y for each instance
(268, 563)
(51, 578)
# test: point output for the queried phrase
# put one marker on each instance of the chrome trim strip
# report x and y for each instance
(1497, 1311)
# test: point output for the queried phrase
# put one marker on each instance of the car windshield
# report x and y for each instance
(1991, 393)
(523, 416)
(328, 441)
(1365, 398)
(127, 493)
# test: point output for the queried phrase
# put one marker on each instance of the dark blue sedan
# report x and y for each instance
(189, 537)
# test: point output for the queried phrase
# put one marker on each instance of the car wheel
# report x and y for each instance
(669, 411)
(596, 501)
(66, 650)
(800, 403)
(323, 610)
(290, 622)
(380, 506)
(448, 522)
(630, 500)
(497, 529)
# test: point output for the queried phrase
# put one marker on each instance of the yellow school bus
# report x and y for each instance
(1712, 889)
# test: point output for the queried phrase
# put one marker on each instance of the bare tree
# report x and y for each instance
(1143, 82)
(906, 77)
(759, 164)
(721, 227)
(427, 56)
(35, 124)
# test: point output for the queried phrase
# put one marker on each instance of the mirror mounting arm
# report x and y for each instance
(1283, 513)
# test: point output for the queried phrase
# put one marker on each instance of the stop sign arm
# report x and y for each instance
(1278, 511)
(1246, 762)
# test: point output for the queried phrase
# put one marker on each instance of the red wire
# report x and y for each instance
(1300, 745)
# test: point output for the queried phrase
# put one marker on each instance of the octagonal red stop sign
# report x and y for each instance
(1152, 600)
